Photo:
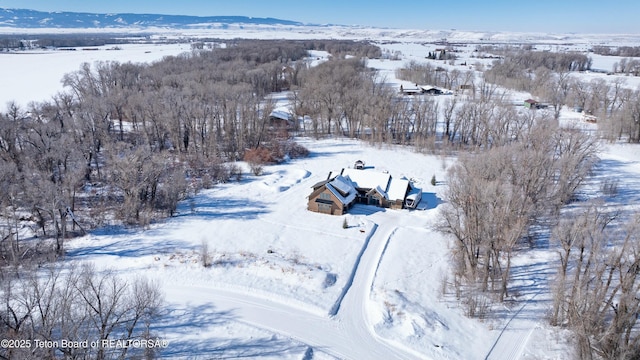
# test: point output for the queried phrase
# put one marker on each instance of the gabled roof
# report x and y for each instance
(398, 189)
(367, 179)
(342, 190)
(320, 183)
(281, 114)
(411, 89)
(379, 191)
(346, 185)
(414, 197)
(342, 184)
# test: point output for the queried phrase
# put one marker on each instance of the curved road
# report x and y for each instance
(347, 335)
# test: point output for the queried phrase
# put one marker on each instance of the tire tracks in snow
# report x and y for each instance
(514, 336)
(346, 335)
(336, 306)
(356, 302)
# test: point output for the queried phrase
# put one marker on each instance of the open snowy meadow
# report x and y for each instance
(286, 283)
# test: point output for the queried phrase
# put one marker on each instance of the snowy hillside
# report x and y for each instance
(22, 18)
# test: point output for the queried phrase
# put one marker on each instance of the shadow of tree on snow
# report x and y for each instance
(209, 207)
(134, 241)
(193, 320)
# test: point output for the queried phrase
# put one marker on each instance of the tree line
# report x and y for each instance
(77, 313)
(344, 96)
(612, 104)
(497, 194)
(595, 293)
(500, 196)
(428, 74)
(627, 66)
(624, 51)
(13, 42)
(125, 142)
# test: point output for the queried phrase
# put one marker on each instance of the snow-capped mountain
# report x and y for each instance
(23, 18)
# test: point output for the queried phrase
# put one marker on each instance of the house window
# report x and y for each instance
(325, 196)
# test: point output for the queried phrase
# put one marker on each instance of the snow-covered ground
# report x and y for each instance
(36, 75)
(265, 243)
(286, 283)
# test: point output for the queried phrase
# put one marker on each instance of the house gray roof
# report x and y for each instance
(382, 192)
(342, 184)
(342, 189)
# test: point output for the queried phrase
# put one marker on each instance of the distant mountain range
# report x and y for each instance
(22, 18)
(33, 20)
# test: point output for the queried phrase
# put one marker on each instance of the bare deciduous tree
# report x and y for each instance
(497, 193)
(77, 304)
(596, 290)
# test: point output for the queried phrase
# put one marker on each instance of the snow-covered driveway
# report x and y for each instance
(285, 282)
(347, 335)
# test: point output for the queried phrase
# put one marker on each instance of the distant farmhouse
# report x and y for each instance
(341, 190)
(531, 104)
(420, 90)
(281, 119)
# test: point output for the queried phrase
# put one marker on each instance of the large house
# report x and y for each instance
(341, 190)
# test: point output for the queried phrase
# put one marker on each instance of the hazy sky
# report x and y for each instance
(583, 16)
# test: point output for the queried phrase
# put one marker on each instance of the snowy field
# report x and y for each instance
(36, 75)
(286, 283)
